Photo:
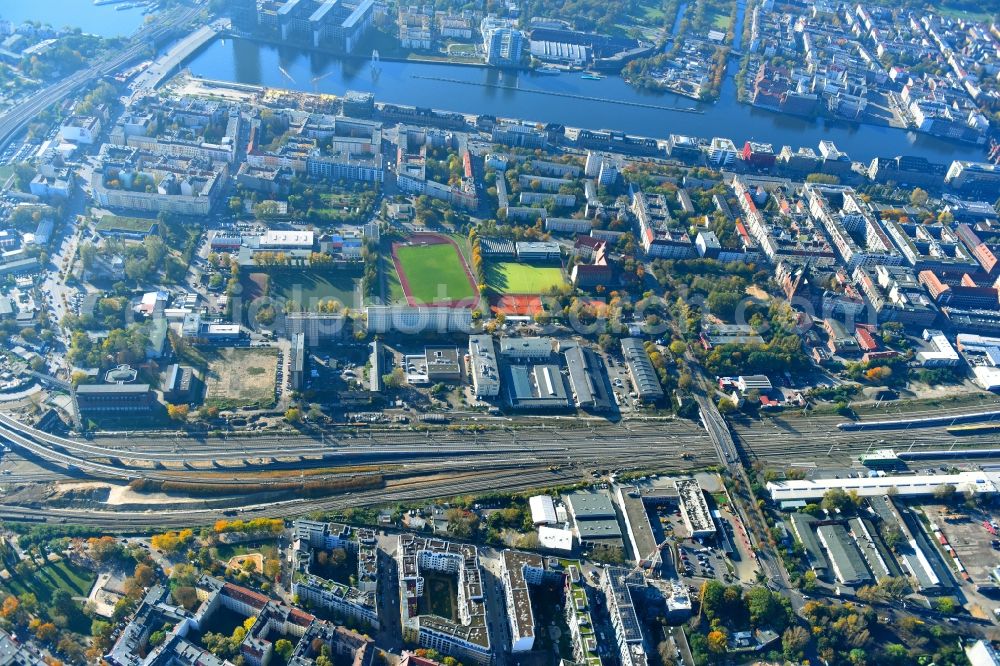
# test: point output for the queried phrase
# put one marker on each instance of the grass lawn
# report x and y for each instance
(651, 13)
(465, 50)
(435, 272)
(393, 289)
(508, 277)
(464, 246)
(344, 205)
(966, 13)
(118, 223)
(241, 377)
(308, 288)
(228, 551)
(720, 22)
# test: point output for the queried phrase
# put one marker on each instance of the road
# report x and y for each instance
(17, 118)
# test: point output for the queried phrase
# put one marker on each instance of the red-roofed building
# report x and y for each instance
(586, 246)
(596, 273)
(865, 339)
(767, 402)
(410, 659)
(245, 595)
(964, 295)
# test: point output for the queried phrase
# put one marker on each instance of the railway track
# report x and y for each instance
(432, 478)
(403, 491)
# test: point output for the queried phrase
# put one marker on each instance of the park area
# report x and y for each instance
(509, 277)
(44, 580)
(241, 377)
(431, 270)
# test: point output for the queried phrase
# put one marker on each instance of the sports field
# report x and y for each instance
(508, 277)
(431, 270)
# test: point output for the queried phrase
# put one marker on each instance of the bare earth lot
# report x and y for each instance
(238, 377)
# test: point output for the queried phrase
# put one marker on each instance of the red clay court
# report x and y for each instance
(518, 305)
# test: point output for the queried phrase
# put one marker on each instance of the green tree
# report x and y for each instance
(836, 499)
(946, 605)
(395, 379)
(283, 647)
(768, 609)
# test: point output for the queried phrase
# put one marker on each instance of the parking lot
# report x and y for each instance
(973, 539)
(621, 383)
(694, 560)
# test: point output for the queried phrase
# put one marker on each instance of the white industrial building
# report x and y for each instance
(483, 366)
(905, 486)
(543, 510)
(753, 383)
(941, 353)
(286, 240)
(555, 538)
(983, 356)
(412, 319)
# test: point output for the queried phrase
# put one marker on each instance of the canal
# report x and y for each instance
(520, 95)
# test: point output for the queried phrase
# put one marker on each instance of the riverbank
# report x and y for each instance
(412, 56)
(511, 94)
(559, 94)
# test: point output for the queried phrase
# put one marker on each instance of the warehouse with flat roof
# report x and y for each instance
(483, 366)
(803, 526)
(113, 398)
(587, 378)
(694, 509)
(535, 387)
(526, 349)
(845, 558)
(543, 510)
(641, 370)
(645, 549)
(594, 515)
(910, 553)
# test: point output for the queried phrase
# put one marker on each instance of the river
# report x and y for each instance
(103, 20)
(473, 90)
